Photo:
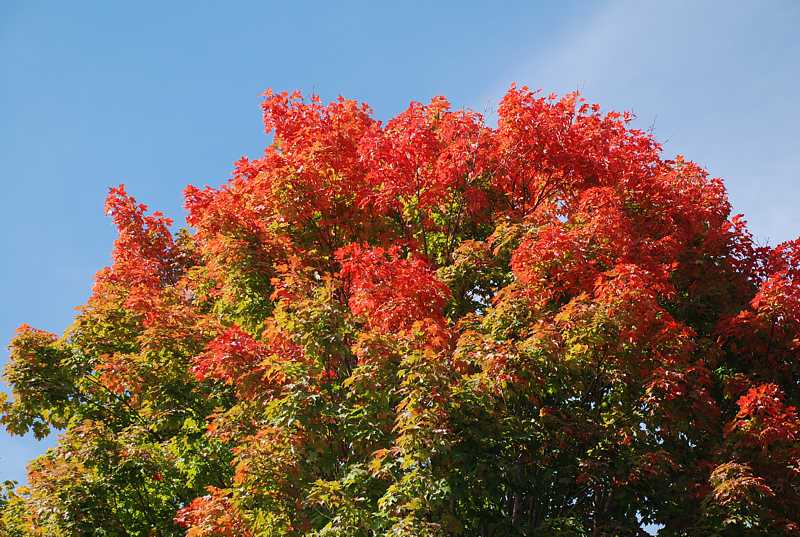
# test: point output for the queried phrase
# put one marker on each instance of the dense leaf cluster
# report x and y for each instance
(428, 327)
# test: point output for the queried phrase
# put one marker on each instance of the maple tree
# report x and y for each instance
(424, 327)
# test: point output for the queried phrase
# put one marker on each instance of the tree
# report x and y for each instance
(428, 327)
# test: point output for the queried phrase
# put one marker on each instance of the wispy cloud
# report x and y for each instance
(716, 80)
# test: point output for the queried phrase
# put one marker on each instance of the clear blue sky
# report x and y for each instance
(159, 94)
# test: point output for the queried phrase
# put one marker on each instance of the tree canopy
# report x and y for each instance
(430, 326)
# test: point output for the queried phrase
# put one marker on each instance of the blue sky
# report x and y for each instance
(161, 94)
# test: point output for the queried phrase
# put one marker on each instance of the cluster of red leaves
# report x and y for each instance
(546, 146)
(765, 334)
(315, 166)
(681, 395)
(144, 256)
(390, 291)
(252, 367)
(426, 153)
(116, 373)
(779, 295)
(231, 357)
(764, 418)
(212, 515)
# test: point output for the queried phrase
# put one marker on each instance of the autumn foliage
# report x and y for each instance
(425, 327)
